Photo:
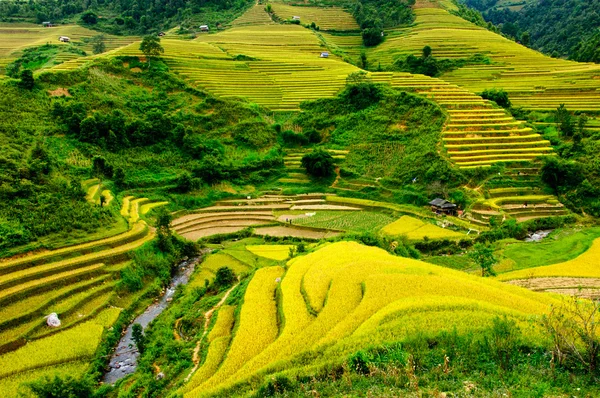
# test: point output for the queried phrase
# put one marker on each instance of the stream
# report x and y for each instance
(124, 360)
(538, 236)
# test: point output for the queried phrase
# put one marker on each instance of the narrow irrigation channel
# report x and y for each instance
(124, 360)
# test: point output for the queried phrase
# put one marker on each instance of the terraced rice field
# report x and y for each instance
(285, 70)
(296, 174)
(274, 252)
(533, 80)
(326, 18)
(17, 36)
(230, 216)
(580, 276)
(345, 296)
(75, 282)
(415, 229)
(354, 221)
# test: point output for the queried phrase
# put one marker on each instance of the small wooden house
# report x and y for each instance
(442, 206)
(64, 39)
(47, 24)
(325, 54)
(295, 18)
(161, 34)
(204, 28)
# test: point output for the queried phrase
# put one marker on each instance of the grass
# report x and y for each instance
(583, 266)
(560, 246)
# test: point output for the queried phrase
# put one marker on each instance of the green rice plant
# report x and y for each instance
(126, 206)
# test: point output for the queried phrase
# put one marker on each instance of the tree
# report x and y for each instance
(525, 38)
(358, 78)
(102, 200)
(89, 18)
(427, 51)
(483, 256)
(98, 46)
(500, 97)
(318, 163)
(364, 63)
(119, 178)
(137, 334)
(564, 119)
(224, 277)
(151, 47)
(372, 37)
(27, 81)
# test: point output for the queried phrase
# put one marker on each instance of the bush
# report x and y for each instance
(318, 163)
(89, 18)
(62, 388)
(498, 96)
(372, 37)
(27, 81)
(224, 277)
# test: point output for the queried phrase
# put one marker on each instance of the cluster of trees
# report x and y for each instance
(556, 27)
(130, 16)
(429, 65)
(375, 15)
(575, 174)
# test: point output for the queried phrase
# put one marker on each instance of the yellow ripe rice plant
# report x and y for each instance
(11, 386)
(219, 338)
(108, 196)
(258, 324)
(584, 266)
(149, 206)
(78, 343)
(126, 205)
(364, 295)
(273, 252)
(220, 260)
(415, 229)
(138, 231)
(134, 207)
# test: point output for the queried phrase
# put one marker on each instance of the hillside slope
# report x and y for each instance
(344, 297)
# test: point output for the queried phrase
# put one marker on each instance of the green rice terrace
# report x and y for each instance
(283, 198)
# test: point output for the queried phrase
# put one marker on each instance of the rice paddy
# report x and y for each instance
(77, 283)
(346, 295)
(533, 80)
(18, 36)
(329, 18)
(415, 229)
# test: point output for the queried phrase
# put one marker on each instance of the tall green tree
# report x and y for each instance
(151, 47)
(483, 256)
(564, 119)
(98, 46)
(27, 81)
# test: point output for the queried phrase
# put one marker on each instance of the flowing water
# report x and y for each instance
(124, 360)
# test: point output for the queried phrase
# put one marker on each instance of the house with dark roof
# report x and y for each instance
(442, 206)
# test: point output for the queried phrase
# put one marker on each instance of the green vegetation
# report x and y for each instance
(128, 17)
(554, 26)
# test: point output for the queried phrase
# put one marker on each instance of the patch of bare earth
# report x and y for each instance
(583, 287)
(59, 92)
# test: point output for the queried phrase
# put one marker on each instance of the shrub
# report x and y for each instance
(318, 163)
(89, 18)
(372, 37)
(62, 388)
(27, 81)
(498, 96)
(224, 277)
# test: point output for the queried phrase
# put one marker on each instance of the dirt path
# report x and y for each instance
(207, 317)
